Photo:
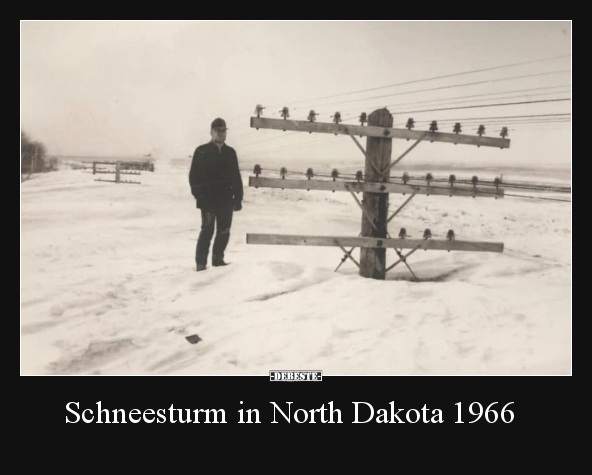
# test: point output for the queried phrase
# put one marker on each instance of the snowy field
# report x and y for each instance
(108, 284)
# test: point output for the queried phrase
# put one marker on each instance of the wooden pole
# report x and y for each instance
(378, 154)
(379, 132)
(410, 189)
(117, 171)
(372, 242)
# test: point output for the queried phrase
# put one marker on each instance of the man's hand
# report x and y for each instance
(237, 206)
(201, 201)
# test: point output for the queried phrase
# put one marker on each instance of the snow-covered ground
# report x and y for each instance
(108, 285)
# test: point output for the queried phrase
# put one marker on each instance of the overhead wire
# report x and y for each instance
(560, 114)
(513, 195)
(346, 111)
(442, 102)
(541, 187)
(264, 141)
(248, 144)
(452, 86)
(489, 94)
(485, 105)
(433, 78)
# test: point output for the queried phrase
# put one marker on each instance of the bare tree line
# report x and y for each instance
(34, 158)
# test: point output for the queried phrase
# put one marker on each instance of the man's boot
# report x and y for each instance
(200, 267)
(218, 262)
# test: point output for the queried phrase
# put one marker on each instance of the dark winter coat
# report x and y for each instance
(215, 177)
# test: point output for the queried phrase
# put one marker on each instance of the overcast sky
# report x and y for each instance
(130, 88)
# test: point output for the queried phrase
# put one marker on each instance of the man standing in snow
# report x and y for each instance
(217, 187)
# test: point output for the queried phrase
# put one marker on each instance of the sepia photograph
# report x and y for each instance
(317, 197)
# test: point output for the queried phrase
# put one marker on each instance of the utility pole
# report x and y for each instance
(378, 158)
(375, 184)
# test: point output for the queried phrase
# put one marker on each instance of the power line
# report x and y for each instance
(451, 86)
(446, 102)
(498, 125)
(537, 198)
(546, 129)
(509, 121)
(429, 79)
(484, 105)
(505, 121)
(490, 94)
(491, 121)
(315, 143)
(548, 187)
(468, 119)
(444, 99)
(464, 101)
(544, 186)
(513, 195)
(499, 117)
(551, 187)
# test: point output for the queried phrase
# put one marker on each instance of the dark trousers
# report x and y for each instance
(221, 217)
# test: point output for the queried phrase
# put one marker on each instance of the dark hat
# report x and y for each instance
(219, 123)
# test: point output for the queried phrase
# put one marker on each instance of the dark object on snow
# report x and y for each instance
(193, 339)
